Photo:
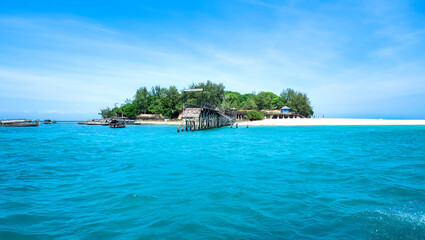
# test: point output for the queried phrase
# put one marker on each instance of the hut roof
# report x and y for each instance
(286, 107)
(191, 112)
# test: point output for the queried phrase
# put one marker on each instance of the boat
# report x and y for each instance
(117, 124)
(47, 122)
(54, 121)
(18, 123)
(101, 122)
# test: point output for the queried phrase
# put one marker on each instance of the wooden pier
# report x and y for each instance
(204, 117)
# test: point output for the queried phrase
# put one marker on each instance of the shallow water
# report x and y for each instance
(68, 181)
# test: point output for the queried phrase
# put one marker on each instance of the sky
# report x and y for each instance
(65, 60)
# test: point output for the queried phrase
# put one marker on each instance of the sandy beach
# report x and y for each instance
(309, 122)
(330, 122)
(153, 122)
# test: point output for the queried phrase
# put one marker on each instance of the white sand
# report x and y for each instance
(308, 122)
(158, 122)
(330, 122)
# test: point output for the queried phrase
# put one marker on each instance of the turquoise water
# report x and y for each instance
(68, 181)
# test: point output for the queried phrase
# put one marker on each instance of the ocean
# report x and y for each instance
(67, 181)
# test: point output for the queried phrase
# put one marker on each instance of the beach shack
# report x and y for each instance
(285, 109)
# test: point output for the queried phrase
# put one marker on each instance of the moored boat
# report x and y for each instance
(47, 121)
(18, 123)
(102, 122)
(117, 124)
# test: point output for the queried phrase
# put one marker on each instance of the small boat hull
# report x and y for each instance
(96, 123)
(20, 125)
(116, 126)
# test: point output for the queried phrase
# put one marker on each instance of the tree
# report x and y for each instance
(248, 101)
(141, 100)
(212, 94)
(231, 100)
(129, 110)
(255, 115)
(266, 100)
(107, 113)
(169, 101)
(117, 111)
(297, 101)
(174, 96)
(155, 103)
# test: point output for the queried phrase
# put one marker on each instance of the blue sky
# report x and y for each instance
(67, 59)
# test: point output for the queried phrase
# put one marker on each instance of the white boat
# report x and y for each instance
(101, 122)
(18, 123)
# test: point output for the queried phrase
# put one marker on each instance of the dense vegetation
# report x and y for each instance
(255, 115)
(169, 101)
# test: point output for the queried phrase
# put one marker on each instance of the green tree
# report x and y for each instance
(212, 93)
(266, 100)
(107, 113)
(156, 100)
(297, 101)
(175, 102)
(117, 111)
(169, 101)
(231, 100)
(255, 115)
(141, 100)
(129, 110)
(248, 101)
(174, 96)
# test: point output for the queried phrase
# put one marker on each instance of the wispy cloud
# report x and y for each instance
(342, 55)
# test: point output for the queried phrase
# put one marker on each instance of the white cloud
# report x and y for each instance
(91, 65)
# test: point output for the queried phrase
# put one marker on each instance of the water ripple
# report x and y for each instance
(67, 181)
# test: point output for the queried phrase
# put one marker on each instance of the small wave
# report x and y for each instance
(412, 218)
(389, 224)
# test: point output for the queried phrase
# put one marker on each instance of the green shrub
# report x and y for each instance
(255, 115)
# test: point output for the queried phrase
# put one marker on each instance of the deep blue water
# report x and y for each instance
(67, 181)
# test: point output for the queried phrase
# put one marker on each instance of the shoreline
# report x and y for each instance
(331, 122)
(170, 122)
(308, 122)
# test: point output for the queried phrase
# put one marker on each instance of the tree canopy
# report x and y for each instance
(169, 101)
(212, 94)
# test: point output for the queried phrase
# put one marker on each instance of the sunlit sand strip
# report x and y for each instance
(159, 122)
(330, 122)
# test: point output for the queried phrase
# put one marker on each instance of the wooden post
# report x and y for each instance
(236, 125)
(203, 120)
(208, 119)
(178, 128)
(200, 121)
